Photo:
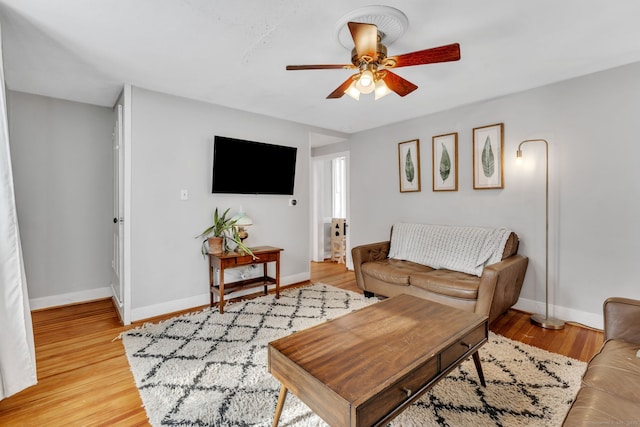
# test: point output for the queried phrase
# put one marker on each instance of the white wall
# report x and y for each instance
(171, 149)
(62, 163)
(592, 127)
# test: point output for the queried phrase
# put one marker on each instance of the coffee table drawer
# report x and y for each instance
(393, 396)
(455, 351)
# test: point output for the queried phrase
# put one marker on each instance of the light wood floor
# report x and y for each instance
(84, 376)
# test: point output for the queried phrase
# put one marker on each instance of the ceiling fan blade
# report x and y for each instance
(365, 38)
(340, 90)
(321, 67)
(397, 84)
(447, 53)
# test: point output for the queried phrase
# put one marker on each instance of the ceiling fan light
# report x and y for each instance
(353, 91)
(381, 89)
(365, 84)
(366, 78)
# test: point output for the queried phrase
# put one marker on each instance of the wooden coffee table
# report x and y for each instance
(366, 367)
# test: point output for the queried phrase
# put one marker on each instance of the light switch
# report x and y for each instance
(184, 194)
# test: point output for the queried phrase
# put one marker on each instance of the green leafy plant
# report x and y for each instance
(223, 227)
(488, 160)
(445, 164)
(408, 167)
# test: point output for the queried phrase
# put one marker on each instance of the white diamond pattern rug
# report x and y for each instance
(208, 369)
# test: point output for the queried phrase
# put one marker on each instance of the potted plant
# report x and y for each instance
(220, 233)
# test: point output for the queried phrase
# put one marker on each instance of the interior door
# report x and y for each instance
(118, 218)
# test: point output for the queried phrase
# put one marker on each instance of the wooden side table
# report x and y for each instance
(218, 262)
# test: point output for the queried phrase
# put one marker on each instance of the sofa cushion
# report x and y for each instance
(616, 370)
(447, 282)
(609, 393)
(393, 271)
(596, 407)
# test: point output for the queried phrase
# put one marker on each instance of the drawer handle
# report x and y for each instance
(406, 390)
(465, 344)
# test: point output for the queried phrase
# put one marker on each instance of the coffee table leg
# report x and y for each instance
(281, 399)
(476, 361)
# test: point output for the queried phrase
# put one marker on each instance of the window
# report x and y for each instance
(338, 187)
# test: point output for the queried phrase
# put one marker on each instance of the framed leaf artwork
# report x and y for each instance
(409, 165)
(444, 150)
(487, 157)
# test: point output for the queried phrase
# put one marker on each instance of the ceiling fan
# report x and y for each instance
(370, 58)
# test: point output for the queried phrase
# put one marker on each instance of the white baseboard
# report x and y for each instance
(70, 298)
(147, 312)
(295, 278)
(592, 320)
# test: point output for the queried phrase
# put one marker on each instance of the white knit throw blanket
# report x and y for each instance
(465, 249)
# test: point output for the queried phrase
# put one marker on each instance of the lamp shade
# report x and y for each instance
(242, 220)
(381, 89)
(365, 84)
(353, 91)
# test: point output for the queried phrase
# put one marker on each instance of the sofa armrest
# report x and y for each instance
(500, 286)
(622, 319)
(365, 253)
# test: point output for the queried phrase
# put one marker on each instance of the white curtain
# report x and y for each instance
(17, 352)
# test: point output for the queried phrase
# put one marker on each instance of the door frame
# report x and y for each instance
(317, 191)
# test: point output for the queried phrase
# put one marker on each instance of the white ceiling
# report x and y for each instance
(234, 53)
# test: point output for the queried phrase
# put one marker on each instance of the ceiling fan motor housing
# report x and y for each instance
(358, 61)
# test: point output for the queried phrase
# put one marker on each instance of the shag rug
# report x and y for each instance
(208, 369)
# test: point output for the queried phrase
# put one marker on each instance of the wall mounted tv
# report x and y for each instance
(247, 167)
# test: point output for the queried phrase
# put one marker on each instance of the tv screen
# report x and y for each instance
(247, 167)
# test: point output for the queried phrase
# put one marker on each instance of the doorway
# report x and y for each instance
(330, 199)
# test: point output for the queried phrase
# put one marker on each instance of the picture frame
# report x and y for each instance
(444, 150)
(409, 165)
(488, 158)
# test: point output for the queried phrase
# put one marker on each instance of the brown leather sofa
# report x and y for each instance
(610, 390)
(491, 294)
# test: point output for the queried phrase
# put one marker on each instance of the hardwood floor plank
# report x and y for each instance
(72, 354)
(85, 380)
(593, 340)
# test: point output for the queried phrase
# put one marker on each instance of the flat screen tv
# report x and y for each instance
(248, 167)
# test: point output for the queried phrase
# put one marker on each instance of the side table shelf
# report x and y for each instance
(218, 262)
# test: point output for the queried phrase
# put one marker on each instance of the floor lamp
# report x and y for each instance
(538, 319)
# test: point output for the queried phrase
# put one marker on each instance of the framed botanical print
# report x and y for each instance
(409, 165)
(488, 157)
(444, 150)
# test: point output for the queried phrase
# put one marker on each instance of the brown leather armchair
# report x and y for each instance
(610, 391)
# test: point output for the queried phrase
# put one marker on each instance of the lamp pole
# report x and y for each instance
(537, 319)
